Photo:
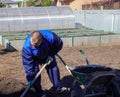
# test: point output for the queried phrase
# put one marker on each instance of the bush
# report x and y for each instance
(2, 5)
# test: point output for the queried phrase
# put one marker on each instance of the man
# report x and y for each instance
(39, 47)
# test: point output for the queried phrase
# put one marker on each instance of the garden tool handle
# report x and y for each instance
(67, 67)
(85, 56)
(37, 75)
(61, 59)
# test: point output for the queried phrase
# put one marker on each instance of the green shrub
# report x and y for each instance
(2, 5)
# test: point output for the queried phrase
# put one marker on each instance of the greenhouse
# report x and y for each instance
(34, 18)
(76, 28)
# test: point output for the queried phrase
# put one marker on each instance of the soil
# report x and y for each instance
(12, 76)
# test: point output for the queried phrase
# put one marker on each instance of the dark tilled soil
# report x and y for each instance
(12, 76)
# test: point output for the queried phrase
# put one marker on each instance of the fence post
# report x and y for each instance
(113, 23)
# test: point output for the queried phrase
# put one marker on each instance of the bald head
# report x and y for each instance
(36, 38)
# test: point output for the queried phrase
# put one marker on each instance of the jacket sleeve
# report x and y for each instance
(57, 45)
(28, 64)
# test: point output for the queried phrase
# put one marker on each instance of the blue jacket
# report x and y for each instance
(50, 46)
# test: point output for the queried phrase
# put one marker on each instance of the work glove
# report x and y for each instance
(29, 83)
(49, 58)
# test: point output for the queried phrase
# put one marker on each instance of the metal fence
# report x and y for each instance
(107, 20)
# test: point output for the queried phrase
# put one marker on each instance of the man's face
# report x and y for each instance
(36, 39)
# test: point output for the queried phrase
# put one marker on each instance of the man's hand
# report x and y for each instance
(49, 58)
(29, 83)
